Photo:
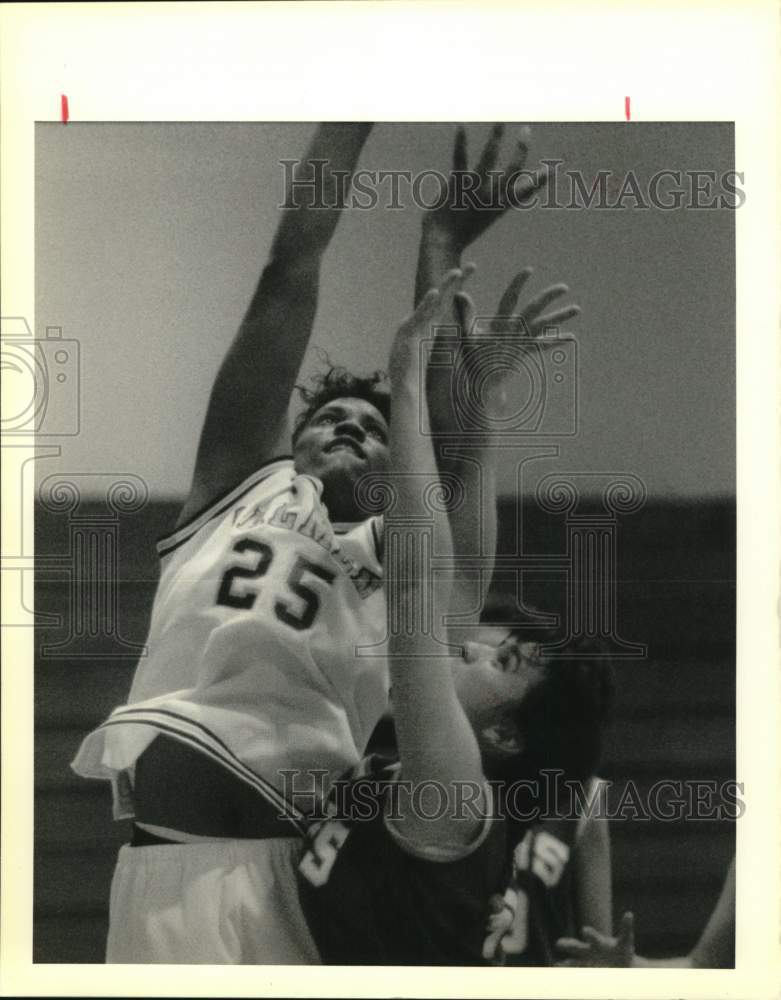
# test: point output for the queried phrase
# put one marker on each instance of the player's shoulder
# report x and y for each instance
(264, 481)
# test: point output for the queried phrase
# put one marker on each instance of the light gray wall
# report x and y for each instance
(150, 238)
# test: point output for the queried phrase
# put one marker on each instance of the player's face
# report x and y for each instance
(493, 679)
(343, 441)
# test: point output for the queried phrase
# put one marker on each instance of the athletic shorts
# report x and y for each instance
(232, 902)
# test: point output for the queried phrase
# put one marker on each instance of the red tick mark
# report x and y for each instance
(64, 108)
(626, 108)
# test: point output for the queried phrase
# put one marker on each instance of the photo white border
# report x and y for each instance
(430, 61)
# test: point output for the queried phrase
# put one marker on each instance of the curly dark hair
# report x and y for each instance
(338, 383)
(563, 718)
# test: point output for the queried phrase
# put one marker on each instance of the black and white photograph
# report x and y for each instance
(382, 565)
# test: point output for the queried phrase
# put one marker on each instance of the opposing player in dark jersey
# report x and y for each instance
(405, 868)
(557, 832)
(372, 896)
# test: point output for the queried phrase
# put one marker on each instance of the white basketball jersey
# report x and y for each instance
(265, 645)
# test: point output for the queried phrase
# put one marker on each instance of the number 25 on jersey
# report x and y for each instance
(239, 586)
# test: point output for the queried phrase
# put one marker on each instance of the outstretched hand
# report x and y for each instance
(510, 331)
(601, 950)
(478, 197)
(404, 365)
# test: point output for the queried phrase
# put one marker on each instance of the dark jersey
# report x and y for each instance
(369, 901)
(539, 902)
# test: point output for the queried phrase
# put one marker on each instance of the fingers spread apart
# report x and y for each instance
(490, 152)
(509, 299)
(436, 300)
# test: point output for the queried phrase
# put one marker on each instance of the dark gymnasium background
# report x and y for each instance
(674, 718)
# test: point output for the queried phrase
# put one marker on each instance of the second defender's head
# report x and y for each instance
(532, 713)
(341, 435)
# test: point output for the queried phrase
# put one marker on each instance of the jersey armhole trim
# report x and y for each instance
(198, 736)
(444, 853)
(168, 543)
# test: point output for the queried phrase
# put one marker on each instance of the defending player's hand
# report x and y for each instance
(471, 209)
(405, 369)
(491, 344)
(600, 950)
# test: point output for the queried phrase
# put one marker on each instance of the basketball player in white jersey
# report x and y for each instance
(262, 598)
(265, 594)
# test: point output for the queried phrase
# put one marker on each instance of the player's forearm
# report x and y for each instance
(438, 253)
(473, 524)
(593, 868)
(417, 686)
(315, 189)
(435, 740)
(285, 300)
(425, 703)
(245, 421)
(414, 470)
(470, 465)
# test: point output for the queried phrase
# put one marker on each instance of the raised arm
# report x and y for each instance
(476, 200)
(435, 739)
(594, 870)
(246, 420)
(490, 343)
